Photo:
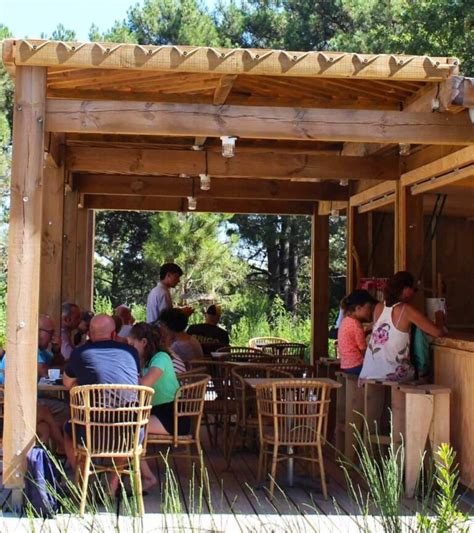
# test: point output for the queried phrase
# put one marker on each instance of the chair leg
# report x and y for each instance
(261, 463)
(85, 484)
(322, 471)
(274, 469)
(137, 478)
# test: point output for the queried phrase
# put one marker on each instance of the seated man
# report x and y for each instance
(172, 324)
(101, 361)
(46, 336)
(210, 335)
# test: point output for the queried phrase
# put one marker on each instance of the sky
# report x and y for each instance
(30, 18)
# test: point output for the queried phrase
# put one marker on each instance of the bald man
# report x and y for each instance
(103, 360)
(46, 336)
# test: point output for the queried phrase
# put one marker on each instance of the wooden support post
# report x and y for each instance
(52, 243)
(90, 252)
(410, 233)
(84, 258)
(68, 283)
(24, 257)
(357, 247)
(320, 284)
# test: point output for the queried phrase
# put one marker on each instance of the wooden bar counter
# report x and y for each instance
(454, 368)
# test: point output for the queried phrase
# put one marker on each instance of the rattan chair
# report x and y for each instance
(219, 404)
(243, 355)
(296, 368)
(247, 419)
(286, 350)
(259, 342)
(237, 350)
(292, 414)
(189, 403)
(109, 422)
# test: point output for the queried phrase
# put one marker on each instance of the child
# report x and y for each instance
(358, 307)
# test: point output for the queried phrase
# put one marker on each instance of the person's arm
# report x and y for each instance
(69, 382)
(151, 377)
(378, 311)
(359, 338)
(424, 323)
(66, 344)
(42, 370)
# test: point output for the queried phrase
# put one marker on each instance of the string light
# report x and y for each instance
(205, 182)
(192, 203)
(228, 146)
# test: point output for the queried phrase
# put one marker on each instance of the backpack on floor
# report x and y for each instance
(42, 482)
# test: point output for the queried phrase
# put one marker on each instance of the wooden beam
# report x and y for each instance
(453, 94)
(372, 205)
(204, 205)
(266, 164)
(374, 193)
(24, 259)
(223, 89)
(326, 207)
(456, 160)
(231, 61)
(319, 285)
(138, 118)
(54, 149)
(220, 188)
(52, 243)
(451, 178)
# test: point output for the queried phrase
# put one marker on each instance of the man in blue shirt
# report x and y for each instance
(46, 336)
(101, 361)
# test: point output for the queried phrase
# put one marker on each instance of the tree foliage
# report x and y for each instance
(211, 269)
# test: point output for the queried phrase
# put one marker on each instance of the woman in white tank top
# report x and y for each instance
(388, 352)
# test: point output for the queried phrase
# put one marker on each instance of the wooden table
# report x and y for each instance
(253, 382)
(47, 386)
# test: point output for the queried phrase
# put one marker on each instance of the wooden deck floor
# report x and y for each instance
(231, 499)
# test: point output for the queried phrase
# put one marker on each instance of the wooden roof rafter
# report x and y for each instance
(34, 52)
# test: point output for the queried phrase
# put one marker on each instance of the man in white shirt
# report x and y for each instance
(159, 297)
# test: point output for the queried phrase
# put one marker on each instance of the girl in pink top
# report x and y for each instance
(358, 307)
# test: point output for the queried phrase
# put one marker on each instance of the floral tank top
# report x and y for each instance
(388, 352)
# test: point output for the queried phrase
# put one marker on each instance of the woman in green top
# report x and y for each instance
(157, 373)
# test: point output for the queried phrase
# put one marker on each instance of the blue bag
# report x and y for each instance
(42, 482)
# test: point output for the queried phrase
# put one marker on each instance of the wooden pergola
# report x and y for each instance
(132, 127)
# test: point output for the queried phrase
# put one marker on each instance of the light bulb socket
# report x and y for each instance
(228, 146)
(204, 182)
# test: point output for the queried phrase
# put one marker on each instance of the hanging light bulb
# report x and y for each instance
(205, 182)
(228, 146)
(343, 183)
(405, 149)
(192, 203)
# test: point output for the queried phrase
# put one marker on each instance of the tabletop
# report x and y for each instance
(253, 382)
(49, 386)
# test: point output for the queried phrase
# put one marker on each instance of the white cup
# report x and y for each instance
(53, 374)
